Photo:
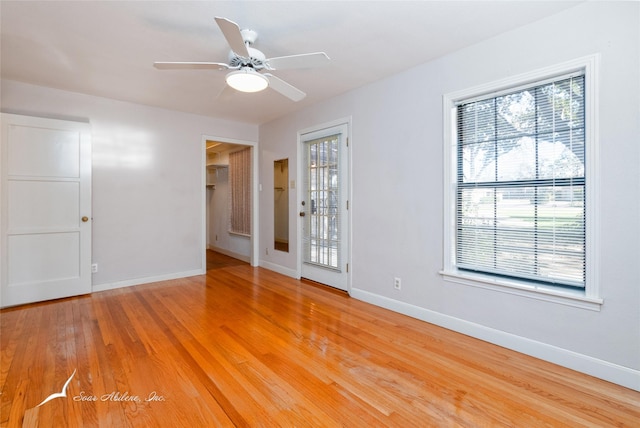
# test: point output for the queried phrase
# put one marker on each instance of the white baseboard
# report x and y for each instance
(280, 269)
(238, 256)
(615, 373)
(146, 280)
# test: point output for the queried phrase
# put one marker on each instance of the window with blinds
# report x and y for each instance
(240, 192)
(520, 183)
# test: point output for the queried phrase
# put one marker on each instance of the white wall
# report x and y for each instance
(397, 191)
(147, 180)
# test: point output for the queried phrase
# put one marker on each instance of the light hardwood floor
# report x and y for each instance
(244, 346)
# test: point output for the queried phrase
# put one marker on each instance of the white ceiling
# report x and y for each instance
(107, 48)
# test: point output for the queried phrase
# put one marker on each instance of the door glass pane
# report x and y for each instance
(322, 223)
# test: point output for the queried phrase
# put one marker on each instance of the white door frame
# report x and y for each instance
(347, 187)
(254, 256)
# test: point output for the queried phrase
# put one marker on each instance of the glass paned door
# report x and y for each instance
(323, 208)
(322, 224)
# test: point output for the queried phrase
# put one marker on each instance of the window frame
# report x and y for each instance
(588, 298)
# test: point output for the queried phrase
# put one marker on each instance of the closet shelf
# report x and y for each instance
(217, 166)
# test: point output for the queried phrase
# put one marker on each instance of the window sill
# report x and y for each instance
(575, 299)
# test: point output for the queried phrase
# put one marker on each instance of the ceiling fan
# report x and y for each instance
(248, 64)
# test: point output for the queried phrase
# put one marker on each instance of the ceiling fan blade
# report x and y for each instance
(232, 33)
(191, 65)
(309, 60)
(284, 88)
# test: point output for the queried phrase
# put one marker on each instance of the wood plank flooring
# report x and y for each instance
(245, 346)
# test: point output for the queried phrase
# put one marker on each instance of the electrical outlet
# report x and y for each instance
(397, 283)
(94, 268)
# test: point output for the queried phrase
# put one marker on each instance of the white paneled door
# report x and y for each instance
(46, 209)
(324, 206)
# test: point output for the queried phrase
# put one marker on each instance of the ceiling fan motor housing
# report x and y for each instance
(255, 60)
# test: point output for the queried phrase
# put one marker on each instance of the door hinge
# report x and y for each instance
(347, 140)
(347, 267)
(347, 204)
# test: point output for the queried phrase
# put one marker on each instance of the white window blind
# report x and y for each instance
(520, 183)
(240, 192)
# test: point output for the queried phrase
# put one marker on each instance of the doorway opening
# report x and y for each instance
(230, 199)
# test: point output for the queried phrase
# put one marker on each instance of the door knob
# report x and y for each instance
(85, 219)
(301, 213)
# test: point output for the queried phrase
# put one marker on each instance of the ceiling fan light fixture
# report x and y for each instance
(247, 80)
